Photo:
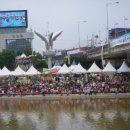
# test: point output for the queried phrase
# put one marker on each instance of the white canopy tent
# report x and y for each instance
(73, 65)
(79, 69)
(109, 68)
(5, 72)
(56, 65)
(23, 55)
(18, 72)
(124, 68)
(32, 71)
(94, 69)
(64, 70)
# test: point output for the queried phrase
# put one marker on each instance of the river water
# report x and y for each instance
(65, 114)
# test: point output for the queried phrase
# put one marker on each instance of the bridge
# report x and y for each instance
(114, 54)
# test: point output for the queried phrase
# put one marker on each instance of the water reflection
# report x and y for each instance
(65, 114)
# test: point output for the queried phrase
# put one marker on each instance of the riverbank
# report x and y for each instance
(70, 96)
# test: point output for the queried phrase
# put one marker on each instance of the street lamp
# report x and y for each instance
(79, 30)
(107, 5)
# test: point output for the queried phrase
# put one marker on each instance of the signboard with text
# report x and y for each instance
(124, 39)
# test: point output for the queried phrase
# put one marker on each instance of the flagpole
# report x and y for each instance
(68, 57)
(102, 57)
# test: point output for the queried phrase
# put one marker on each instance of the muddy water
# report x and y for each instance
(65, 114)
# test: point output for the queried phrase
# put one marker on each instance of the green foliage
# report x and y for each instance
(38, 61)
(26, 52)
(85, 62)
(82, 59)
(1, 61)
(19, 52)
(7, 58)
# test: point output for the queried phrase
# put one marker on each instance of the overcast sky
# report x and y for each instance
(55, 15)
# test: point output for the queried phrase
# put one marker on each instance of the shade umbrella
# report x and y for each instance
(55, 70)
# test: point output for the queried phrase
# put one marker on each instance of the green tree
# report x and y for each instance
(38, 61)
(83, 60)
(1, 60)
(19, 52)
(86, 62)
(26, 52)
(7, 58)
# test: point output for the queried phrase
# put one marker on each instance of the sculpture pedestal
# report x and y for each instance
(49, 55)
(49, 62)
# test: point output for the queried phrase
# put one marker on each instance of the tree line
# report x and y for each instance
(7, 58)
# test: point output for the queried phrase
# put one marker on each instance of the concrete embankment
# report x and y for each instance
(70, 96)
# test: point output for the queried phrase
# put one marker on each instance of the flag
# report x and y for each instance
(102, 58)
(46, 70)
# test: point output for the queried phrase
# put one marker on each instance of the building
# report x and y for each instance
(13, 31)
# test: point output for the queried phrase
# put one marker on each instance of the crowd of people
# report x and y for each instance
(69, 84)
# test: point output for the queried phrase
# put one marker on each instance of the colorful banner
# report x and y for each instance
(124, 39)
(46, 70)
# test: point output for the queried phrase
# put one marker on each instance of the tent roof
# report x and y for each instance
(74, 62)
(32, 71)
(73, 65)
(124, 68)
(109, 68)
(64, 70)
(18, 71)
(55, 68)
(23, 55)
(56, 65)
(94, 69)
(79, 69)
(5, 72)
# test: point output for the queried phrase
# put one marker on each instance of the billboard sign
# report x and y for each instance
(12, 19)
(124, 39)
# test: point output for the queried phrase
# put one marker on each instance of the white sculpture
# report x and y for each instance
(49, 39)
(49, 44)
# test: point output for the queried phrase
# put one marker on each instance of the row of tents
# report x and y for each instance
(74, 68)
(18, 72)
(78, 69)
